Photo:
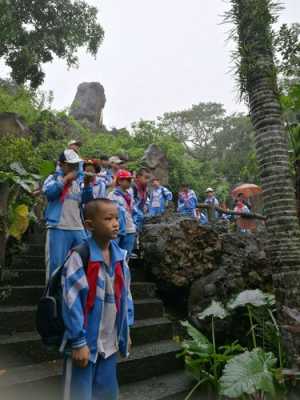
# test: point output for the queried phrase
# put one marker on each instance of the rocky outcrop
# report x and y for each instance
(155, 160)
(88, 105)
(209, 262)
(12, 124)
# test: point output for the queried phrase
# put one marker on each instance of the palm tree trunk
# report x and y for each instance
(253, 21)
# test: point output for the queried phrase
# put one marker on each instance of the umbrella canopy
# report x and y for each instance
(248, 190)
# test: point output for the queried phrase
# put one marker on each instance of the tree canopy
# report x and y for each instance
(33, 32)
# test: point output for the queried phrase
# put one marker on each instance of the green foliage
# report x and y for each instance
(252, 31)
(249, 373)
(33, 32)
(19, 101)
(287, 44)
(17, 149)
(203, 361)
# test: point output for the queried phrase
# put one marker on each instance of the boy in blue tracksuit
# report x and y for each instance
(65, 194)
(97, 309)
(187, 201)
(123, 197)
(159, 198)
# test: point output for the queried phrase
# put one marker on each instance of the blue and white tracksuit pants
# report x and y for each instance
(58, 244)
(95, 382)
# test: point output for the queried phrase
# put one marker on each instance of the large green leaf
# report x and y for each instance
(216, 310)
(248, 373)
(18, 168)
(255, 298)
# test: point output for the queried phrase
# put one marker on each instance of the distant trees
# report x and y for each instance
(33, 32)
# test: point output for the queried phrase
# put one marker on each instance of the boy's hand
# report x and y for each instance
(70, 177)
(129, 343)
(81, 356)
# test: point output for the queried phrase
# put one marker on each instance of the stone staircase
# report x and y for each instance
(29, 372)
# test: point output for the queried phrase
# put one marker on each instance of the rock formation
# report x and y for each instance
(208, 262)
(88, 104)
(155, 160)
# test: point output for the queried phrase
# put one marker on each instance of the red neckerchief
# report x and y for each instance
(126, 196)
(92, 274)
(65, 191)
(141, 190)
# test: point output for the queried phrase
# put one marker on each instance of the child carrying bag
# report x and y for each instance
(49, 320)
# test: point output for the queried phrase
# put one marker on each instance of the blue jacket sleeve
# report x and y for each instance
(167, 194)
(75, 291)
(52, 187)
(87, 194)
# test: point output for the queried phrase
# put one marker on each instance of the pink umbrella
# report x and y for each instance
(248, 190)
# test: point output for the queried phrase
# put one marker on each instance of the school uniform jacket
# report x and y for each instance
(187, 203)
(83, 324)
(164, 195)
(57, 192)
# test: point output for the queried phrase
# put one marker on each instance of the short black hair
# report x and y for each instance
(91, 207)
(142, 171)
(104, 157)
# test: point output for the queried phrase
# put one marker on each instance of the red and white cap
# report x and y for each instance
(123, 174)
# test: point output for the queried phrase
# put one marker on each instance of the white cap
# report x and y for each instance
(71, 157)
(115, 160)
(78, 142)
(209, 190)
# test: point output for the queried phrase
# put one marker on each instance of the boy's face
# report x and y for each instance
(105, 223)
(75, 147)
(105, 163)
(210, 194)
(124, 183)
(185, 189)
(90, 169)
(155, 183)
(67, 168)
(144, 178)
(115, 167)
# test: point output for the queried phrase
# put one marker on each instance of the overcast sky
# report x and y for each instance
(157, 56)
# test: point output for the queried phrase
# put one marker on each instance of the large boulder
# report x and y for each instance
(88, 104)
(155, 160)
(12, 124)
(206, 261)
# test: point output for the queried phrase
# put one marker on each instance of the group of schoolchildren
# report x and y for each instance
(101, 205)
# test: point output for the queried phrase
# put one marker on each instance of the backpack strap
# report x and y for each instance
(84, 251)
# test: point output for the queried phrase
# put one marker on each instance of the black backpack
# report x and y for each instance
(49, 320)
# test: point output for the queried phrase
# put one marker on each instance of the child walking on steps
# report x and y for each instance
(122, 196)
(97, 309)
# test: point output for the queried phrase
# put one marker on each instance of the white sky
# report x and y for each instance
(157, 56)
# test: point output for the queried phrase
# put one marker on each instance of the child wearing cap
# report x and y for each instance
(212, 200)
(122, 196)
(159, 198)
(65, 194)
(187, 201)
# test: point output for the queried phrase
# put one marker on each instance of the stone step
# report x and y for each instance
(144, 362)
(22, 318)
(35, 249)
(26, 347)
(22, 277)
(34, 261)
(158, 388)
(30, 294)
(17, 319)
